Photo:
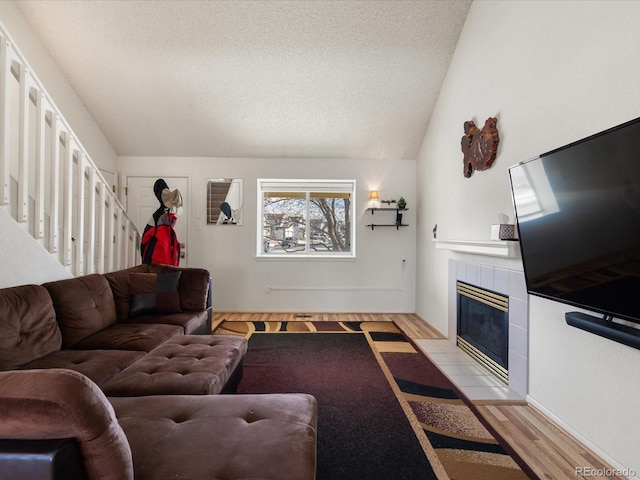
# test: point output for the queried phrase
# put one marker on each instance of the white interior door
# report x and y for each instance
(142, 202)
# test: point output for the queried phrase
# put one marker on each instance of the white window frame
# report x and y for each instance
(307, 186)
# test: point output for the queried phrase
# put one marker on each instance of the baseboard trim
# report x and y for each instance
(579, 437)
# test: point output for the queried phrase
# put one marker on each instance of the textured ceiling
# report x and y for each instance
(342, 79)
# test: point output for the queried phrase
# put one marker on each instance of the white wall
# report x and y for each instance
(552, 73)
(23, 260)
(376, 281)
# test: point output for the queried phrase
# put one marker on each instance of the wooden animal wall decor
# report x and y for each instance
(479, 147)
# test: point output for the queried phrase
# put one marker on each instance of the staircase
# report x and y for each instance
(49, 184)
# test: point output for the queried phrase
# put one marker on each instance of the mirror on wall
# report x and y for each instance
(224, 201)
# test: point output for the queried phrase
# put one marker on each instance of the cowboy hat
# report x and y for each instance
(172, 200)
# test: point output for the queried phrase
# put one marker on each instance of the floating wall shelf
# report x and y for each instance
(398, 223)
(493, 248)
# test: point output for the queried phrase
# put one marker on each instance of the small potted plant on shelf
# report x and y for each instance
(402, 204)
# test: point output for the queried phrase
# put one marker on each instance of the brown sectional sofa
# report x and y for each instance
(140, 336)
(85, 323)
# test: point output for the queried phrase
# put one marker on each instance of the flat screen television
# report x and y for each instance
(578, 216)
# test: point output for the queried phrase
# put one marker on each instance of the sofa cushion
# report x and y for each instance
(98, 365)
(194, 286)
(119, 282)
(50, 404)
(189, 321)
(154, 293)
(129, 336)
(84, 306)
(28, 327)
(268, 437)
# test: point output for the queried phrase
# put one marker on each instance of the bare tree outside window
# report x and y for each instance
(306, 222)
(334, 220)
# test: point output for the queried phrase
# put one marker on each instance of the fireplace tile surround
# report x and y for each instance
(474, 380)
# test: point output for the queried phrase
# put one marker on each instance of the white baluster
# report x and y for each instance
(5, 117)
(78, 215)
(67, 218)
(125, 254)
(41, 123)
(91, 222)
(101, 227)
(23, 146)
(111, 221)
(54, 186)
(118, 253)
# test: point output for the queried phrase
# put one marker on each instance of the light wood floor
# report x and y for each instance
(548, 451)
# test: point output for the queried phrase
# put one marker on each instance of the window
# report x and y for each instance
(306, 218)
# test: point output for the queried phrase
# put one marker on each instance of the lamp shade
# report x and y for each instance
(373, 195)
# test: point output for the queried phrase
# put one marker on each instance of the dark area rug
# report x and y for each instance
(384, 410)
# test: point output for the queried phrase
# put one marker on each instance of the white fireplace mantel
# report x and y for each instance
(494, 248)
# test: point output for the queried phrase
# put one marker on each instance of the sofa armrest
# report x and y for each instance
(195, 287)
(62, 404)
(195, 284)
(206, 327)
(210, 305)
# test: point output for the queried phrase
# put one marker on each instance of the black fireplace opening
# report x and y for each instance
(483, 323)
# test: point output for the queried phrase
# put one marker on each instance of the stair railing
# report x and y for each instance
(49, 183)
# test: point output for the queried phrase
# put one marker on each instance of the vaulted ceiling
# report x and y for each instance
(340, 79)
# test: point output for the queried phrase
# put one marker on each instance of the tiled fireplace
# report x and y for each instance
(510, 285)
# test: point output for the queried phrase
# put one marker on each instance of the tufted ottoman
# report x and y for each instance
(204, 437)
(183, 365)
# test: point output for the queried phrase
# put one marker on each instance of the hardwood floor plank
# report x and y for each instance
(549, 451)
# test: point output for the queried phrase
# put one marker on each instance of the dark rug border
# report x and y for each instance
(469, 403)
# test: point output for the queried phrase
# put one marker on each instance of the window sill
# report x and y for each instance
(306, 258)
